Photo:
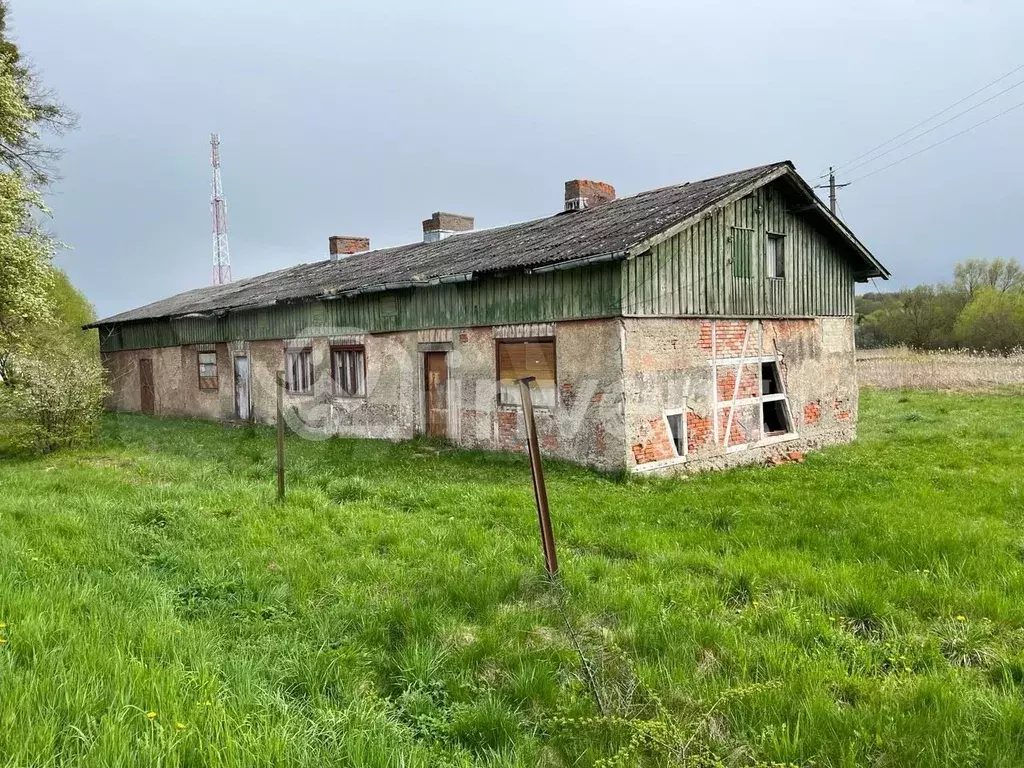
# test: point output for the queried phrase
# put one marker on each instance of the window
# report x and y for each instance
(298, 371)
(677, 428)
(775, 419)
(519, 359)
(349, 371)
(742, 252)
(208, 370)
(775, 253)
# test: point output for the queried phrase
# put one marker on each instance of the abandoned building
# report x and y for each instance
(688, 327)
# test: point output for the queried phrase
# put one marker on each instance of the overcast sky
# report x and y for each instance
(363, 118)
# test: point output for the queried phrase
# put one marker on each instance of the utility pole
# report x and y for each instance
(832, 187)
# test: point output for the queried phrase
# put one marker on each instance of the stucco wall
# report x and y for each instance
(586, 424)
(615, 379)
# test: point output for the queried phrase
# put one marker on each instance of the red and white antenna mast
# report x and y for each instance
(218, 209)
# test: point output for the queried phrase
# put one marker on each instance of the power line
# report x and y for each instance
(942, 141)
(932, 117)
(912, 139)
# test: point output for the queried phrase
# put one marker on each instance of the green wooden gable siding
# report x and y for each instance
(515, 298)
(692, 273)
(689, 274)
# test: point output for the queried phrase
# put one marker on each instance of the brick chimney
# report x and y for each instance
(581, 194)
(441, 225)
(342, 246)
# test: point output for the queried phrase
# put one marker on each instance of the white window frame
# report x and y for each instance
(681, 413)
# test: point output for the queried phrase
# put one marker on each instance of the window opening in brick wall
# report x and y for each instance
(207, 362)
(775, 418)
(298, 371)
(519, 359)
(677, 429)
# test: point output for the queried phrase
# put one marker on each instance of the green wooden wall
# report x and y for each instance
(692, 273)
(515, 298)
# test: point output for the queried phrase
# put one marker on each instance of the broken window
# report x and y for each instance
(775, 261)
(677, 429)
(742, 252)
(349, 371)
(775, 419)
(519, 359)
(207, 370)
(298, 371)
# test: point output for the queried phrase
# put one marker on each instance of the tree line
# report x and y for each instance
(51, 381)
(981, 309)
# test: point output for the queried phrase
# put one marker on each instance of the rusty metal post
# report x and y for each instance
(540, 493)
(280, 435)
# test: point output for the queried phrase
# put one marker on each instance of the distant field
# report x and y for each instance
(158, 608)
(950, 370)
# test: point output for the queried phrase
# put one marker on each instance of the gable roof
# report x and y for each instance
(618, 229)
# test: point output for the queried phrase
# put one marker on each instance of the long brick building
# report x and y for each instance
(692, 326)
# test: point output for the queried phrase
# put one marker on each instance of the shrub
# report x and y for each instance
(54, 400)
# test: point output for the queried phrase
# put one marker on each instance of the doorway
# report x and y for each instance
(435, 387)
(147, 395)
(243, 400)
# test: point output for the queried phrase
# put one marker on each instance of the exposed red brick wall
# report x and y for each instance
(655, 444)
(508, 428)
(750, 385)
(698, 431)
(737, 433)
(728, 337)
(812, 413)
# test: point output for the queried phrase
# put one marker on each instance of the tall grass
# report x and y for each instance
(860, 609)
(950, 370)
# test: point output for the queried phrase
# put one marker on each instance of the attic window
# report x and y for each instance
(774, 256)
(742, 252)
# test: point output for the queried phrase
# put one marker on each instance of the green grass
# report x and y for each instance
(861, 609)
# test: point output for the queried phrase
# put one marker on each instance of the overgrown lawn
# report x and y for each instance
(861, 609)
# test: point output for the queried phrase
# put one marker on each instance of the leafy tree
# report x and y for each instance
(25, 274)
(1005, 275)
(993, 321)
(22, 123)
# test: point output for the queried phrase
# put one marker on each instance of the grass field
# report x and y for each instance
(158, 608)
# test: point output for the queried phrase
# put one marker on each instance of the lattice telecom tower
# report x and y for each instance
(218, 209)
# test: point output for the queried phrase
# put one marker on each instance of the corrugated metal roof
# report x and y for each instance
(611, 228)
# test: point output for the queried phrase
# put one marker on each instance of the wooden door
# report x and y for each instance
(242, 397)
(146, 384)
(435, 366)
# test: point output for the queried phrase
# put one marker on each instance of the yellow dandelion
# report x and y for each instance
(961, 618)
(3, 640)
(151, 715)
(207, 703)
(180, 726)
